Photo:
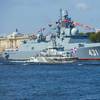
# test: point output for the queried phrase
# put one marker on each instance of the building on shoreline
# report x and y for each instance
(12, 41)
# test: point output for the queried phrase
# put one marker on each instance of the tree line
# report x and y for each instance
(94, 36)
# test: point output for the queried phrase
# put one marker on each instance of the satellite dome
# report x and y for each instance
(74, 31)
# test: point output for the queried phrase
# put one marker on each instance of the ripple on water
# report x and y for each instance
(50, 82)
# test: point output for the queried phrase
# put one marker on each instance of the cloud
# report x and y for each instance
(82, 6)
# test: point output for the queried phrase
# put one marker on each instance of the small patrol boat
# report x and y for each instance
(53, 56)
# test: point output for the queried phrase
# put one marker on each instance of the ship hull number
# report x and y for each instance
(93, 52)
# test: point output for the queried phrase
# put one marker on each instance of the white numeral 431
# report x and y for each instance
(93, 52)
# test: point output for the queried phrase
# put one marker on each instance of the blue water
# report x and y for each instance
(77, 81)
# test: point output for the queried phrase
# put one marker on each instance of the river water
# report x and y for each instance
(76, 81)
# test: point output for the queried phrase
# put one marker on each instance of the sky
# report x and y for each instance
(30, 15)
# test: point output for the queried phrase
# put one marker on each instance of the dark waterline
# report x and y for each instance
(77, 81)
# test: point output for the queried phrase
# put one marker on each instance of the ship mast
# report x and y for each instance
(61, 16)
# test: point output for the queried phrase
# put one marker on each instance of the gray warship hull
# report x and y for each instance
(88, 53)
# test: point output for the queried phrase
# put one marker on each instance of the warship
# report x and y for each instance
(63, 34)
